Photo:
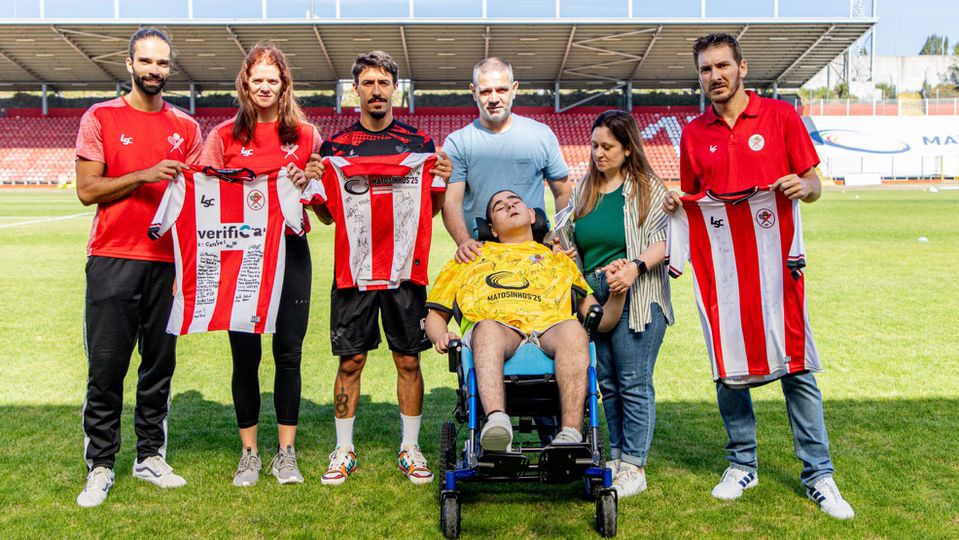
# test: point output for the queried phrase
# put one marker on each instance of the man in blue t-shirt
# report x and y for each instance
(497, 151)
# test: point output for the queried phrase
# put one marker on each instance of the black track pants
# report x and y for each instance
(128, 304)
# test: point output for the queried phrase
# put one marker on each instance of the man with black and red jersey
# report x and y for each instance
(128, 148)
(354, 312)
(744, 141)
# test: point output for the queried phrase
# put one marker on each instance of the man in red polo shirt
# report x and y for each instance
(741, 142)
(128, 148)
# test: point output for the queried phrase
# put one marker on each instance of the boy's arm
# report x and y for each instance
(437, 329)
(612, 310)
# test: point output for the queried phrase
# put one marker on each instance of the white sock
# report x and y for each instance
(344, 432)
(411, 430)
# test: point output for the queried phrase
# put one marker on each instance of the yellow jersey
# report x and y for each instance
(524, 285)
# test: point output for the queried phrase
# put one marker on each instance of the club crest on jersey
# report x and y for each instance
(756, 142)
(255, 200)
(765, 218)
(536, 259)
(290, 150)
(126, 140)
(357, 185)
(176, 141)
(246, 152)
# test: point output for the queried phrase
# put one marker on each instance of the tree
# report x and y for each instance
(935, 44)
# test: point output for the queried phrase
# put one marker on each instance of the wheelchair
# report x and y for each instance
(531, 392)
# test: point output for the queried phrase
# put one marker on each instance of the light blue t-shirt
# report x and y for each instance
(518, 159)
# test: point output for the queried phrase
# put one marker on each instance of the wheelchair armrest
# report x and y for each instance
(453, 352)
(593, 317)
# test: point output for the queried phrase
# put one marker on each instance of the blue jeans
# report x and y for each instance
(804, 408)
(624, 368)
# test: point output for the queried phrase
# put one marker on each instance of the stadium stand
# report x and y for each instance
(39, 150)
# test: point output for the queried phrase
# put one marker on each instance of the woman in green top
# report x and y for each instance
(620, 233)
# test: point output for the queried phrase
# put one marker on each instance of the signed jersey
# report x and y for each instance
(523, 285)
(383, 211)
(747, 255)
(229, 247)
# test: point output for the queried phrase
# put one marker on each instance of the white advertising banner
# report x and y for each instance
(888, 146)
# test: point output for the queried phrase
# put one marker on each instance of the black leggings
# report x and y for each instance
(291, 322)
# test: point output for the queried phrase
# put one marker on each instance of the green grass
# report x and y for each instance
(883, 309)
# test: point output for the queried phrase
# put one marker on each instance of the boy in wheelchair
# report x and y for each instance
(516, 292)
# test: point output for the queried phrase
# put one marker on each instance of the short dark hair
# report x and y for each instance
(377, 60)
(717, 39)
(145, 33)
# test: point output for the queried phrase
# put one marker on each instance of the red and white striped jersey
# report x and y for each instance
(384, 217)
(229, 247)
(747, 255)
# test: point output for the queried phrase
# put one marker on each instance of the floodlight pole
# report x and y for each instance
(43, 99)
(775, 90)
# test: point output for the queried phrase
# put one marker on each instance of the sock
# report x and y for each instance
(344, 432)
(411, 430)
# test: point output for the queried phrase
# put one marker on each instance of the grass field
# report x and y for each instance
(884, 311)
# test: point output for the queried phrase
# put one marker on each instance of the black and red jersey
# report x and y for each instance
(397, 138)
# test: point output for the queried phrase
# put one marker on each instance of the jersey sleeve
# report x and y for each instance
(797, 249)
(290, 204)
(452, 150)
(212, 154)
(799, 147)
(687, 175)
(196, 145)
(555, 164)
(443, 295)
(89, 138)
(170, 206)
(677, 242)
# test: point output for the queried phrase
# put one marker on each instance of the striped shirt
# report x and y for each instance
(653, 286)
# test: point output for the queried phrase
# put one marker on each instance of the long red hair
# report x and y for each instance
(290, 115)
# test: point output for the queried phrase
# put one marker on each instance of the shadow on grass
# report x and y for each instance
(873, 443)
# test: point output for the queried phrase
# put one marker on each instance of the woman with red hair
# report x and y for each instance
(269, 132)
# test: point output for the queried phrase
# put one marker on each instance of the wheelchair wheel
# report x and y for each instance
(450, 514)
(606, 514)
(447, 452)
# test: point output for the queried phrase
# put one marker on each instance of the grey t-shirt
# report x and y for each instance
(518, 159)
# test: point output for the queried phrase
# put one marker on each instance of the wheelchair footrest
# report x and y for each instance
(563, 463)
(502, 464)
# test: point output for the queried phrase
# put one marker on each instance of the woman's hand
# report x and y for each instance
(314, 168)
(297, 176)
(620, 276)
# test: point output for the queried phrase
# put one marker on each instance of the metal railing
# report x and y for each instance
(878, 107)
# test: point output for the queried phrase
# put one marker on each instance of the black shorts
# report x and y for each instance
(354, 327)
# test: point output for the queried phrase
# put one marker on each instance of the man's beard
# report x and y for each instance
(149, 90)
(379, 115)
(732, 89)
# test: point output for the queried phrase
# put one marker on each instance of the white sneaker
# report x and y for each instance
(630, 480)
(497, 434)
(99, 482)
(734, 482)
(156, 471)
(825, 493)
(568, 435)
(614, 465)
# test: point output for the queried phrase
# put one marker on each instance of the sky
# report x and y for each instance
(903, 25)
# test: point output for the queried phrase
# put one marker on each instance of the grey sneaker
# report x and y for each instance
(248, 471)
(155, 470)
(568, 435)
(99, 482)
(284, 467)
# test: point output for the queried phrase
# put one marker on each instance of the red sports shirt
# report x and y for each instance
(125, 139)
(383, 211)
(230, 248)
(768, 142)
(264, 152)
(747, 254)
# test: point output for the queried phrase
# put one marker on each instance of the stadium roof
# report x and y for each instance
(435, 54)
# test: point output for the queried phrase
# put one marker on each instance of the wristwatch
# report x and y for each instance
(640, 266)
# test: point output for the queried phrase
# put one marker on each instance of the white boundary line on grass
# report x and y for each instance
(45, 220)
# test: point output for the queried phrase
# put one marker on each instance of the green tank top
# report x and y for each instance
(600, 235)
